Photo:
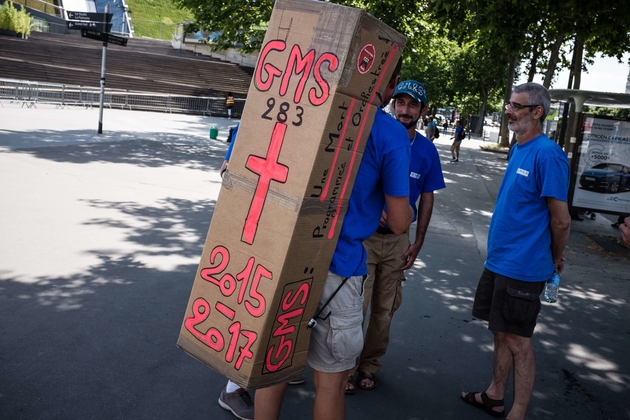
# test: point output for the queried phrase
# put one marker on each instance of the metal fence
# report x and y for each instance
(29, 94)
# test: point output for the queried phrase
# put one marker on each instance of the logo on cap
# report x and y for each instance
(412, 88)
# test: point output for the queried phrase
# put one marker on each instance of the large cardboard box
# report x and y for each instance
(308, 115)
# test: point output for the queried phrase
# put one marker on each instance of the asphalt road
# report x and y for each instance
(100, 238)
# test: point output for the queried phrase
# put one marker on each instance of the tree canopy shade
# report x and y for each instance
(243, 22)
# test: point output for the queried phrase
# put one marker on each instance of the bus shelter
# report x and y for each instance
(599, 153)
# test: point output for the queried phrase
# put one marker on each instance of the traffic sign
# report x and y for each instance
(99, 36)
(73, 24)
(91, 17)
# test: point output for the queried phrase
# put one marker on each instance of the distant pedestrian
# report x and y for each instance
(229, 103)
(430, 129)
(445, 125)
(457, 141)
(528, 232)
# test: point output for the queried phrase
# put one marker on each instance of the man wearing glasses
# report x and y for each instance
(528, 233)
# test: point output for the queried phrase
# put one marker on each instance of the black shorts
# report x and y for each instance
(509, 305)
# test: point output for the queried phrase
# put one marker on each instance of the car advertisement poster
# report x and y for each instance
(602, 182)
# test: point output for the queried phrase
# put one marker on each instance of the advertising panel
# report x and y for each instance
(602, 179)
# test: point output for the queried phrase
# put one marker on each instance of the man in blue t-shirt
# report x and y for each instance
(528, 233)
(390, 254)
(457, 141)
(337, 339)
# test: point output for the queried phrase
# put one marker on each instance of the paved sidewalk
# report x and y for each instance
(100, 236)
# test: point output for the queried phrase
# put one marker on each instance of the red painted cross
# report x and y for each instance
(268, 170)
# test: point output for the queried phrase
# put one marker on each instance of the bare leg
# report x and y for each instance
(268, 402)
(503, 362)
(512, 350)
(524, 374)
(329, 395)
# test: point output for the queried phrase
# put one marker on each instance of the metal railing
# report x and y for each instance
(30, 94)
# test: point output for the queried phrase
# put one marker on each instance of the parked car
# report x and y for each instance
(490, 122)
(611, 177)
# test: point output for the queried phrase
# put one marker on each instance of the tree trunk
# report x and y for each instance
(482, 111)
(505, 141)
(577, 65)
(554, 56)
(533, 63)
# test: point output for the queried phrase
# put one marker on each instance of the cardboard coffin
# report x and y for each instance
(308, 115)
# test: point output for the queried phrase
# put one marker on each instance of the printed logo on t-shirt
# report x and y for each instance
(414, 175)
(522, 172)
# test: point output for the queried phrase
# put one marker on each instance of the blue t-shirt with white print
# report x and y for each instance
(519, 239)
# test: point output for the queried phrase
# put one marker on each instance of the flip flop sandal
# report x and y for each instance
(371, 377)
(350, 391)
(486, 404)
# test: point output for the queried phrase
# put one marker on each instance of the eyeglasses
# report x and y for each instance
(517, 107)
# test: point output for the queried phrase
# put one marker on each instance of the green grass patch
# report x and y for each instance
(156, 18)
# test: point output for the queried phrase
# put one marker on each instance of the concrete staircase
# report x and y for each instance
(143, 65)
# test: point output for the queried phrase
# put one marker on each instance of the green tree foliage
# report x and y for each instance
(465, 52)
(499, 27)
(609, 112)
(240, 22)
(15, 20)
(600, 26)
(478, 80)
(429, 59)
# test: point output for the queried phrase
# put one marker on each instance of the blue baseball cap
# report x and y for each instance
(414, 89)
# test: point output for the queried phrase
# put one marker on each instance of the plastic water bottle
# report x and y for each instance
(551, 289)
